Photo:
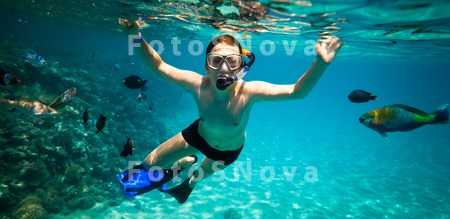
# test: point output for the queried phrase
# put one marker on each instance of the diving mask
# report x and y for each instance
(225, 80)
(234, 61)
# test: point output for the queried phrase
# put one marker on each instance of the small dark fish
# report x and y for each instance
(134, 82)
(360, 96)
(85, 117)
(8, 79)
(100, 124)
(403, 118)
(128, 148)
(141, 97)
(150, 107)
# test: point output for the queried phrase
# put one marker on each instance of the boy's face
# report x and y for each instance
(222, 49)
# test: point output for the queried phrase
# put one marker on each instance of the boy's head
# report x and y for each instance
(223, 41)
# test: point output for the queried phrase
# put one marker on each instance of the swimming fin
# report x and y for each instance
(180, 193)
(143, 180)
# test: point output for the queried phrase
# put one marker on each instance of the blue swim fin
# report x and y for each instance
(143, 180)
(180, 193)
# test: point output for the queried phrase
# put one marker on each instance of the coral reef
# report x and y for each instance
(35, 174)
(5, 198)
(53, 202)
(30, 207)
(73, 174)
(40, 156)
(81, 203)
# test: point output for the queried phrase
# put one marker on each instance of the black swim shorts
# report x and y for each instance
(193, 138)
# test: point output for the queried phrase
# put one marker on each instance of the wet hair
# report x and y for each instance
(227, 39)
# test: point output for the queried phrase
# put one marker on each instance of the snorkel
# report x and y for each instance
(224, 80)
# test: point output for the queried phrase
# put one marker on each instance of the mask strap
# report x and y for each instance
(249, 55)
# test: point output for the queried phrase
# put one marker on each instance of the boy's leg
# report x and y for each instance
(206, 169)
(173, 150)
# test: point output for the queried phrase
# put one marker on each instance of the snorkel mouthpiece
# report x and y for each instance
(224, 80)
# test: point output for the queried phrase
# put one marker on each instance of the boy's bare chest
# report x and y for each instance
(222, 112)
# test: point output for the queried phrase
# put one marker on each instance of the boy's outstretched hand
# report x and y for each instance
(132, 27)
(327, 48)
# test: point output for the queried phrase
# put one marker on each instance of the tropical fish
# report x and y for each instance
(100, 124)
(360, 96)
(128, 148)
(399, 117)
(7, 79)
(63, 99)
(150, 107)
(134, 82)
(35, 108)
(117, 67)
(141, 97)
(35, 59)
(85, 117)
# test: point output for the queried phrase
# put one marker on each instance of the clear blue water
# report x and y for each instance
(359, 173)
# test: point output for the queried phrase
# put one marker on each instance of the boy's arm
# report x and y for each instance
(187, 80)
(326, 51)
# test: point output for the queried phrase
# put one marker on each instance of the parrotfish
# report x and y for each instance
(63, 99)
(399, 117)
(30, 107)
